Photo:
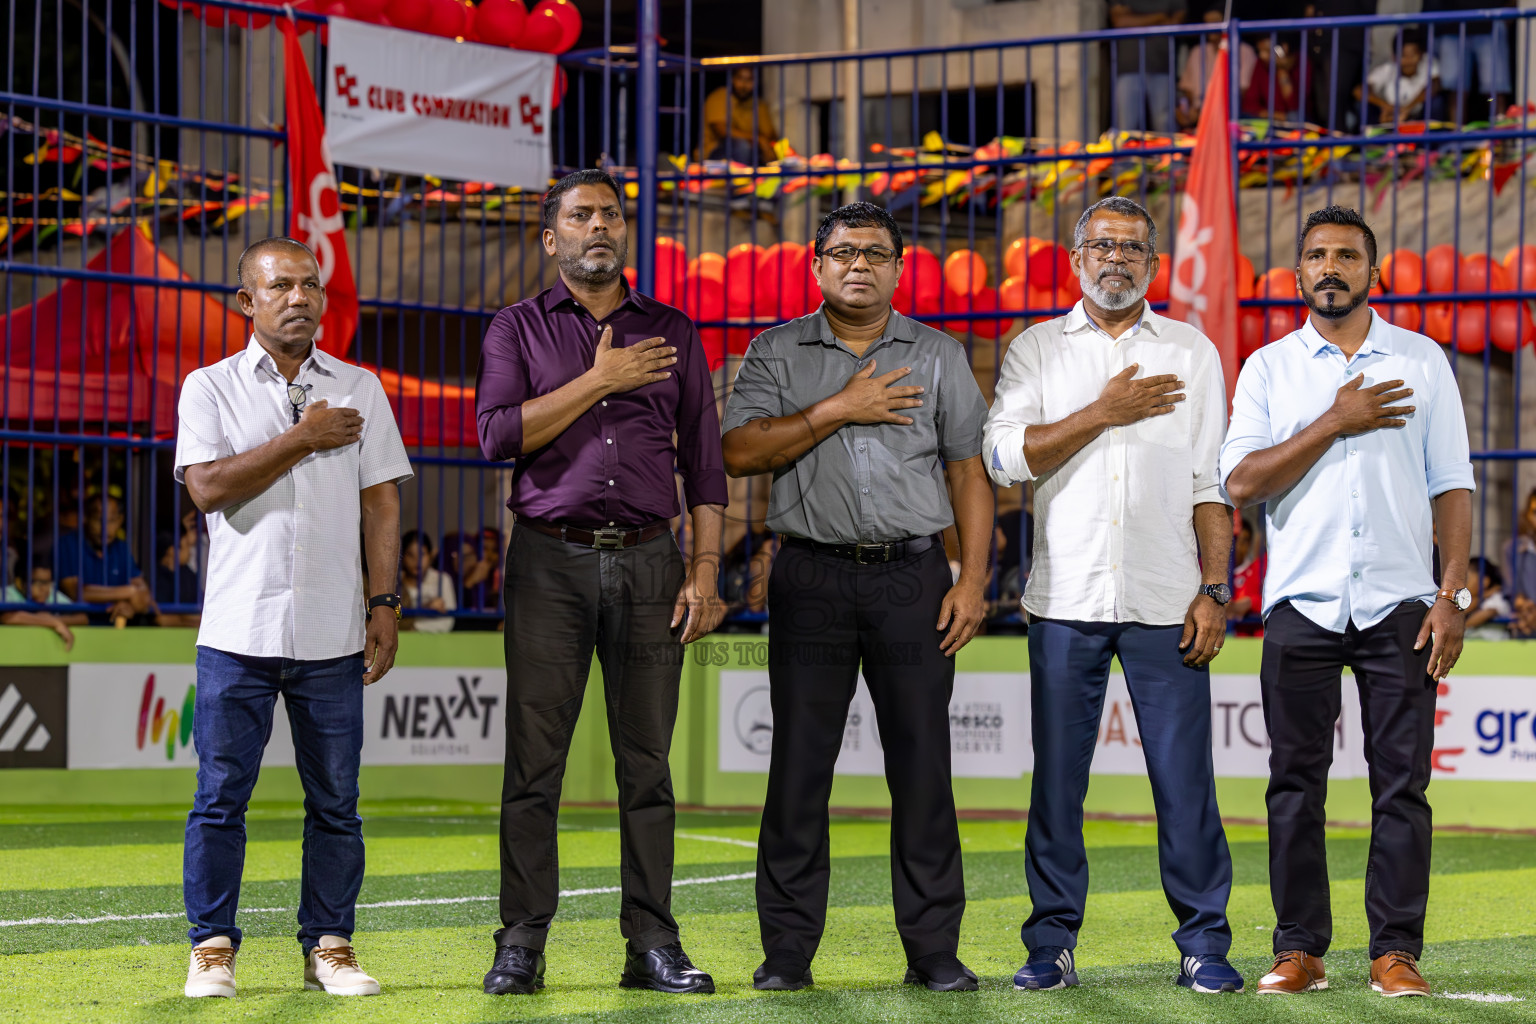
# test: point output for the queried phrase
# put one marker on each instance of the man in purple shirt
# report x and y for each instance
(582, 388)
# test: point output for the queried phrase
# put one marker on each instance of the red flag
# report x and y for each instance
(1202, 290)
(314, 201)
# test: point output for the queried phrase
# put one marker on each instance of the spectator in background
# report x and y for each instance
(1520, 558)
(744, 572)
(175, 582)
(1195, 75)
(736, 128)
(1485, 41)
(96, 566)
(1398, 87)
(43, 594)
(1272, 60)
(1334, 60)
(423, 587)
(1247, 580)
(1014, 538)
(474, 575)
(1143, 83)
(1488, 604)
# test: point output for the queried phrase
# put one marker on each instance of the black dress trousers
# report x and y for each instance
(830, 616)
(564, 602)
(1300, 678)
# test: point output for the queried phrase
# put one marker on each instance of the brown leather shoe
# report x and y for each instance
(1294, 972)
(1397, 974)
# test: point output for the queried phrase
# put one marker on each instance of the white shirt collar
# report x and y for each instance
(1077, 319)
(256, 358)
(1377, 340)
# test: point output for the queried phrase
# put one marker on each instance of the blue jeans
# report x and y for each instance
(1489, 49)
(1139, 95)
(231, 723)
(1068, 673)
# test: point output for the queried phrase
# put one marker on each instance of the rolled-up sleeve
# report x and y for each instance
(756, 392)
(699, 459)
(501, 388)
(1250, 429)
(1208, 407)
(199, 434)
(1447, 449)
(1017, 406)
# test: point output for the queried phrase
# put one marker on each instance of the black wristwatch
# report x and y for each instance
(385, 601)
(1218, 592)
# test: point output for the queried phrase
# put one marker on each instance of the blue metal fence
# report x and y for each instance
(146, 119)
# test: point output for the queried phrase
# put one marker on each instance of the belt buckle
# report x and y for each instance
(608, 538)
(883, 549)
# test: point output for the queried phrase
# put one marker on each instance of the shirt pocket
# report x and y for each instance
(1167, 430)
(920, 437)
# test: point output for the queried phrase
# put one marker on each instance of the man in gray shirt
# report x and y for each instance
(868, 421)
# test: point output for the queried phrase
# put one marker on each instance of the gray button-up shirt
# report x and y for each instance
(867, 483)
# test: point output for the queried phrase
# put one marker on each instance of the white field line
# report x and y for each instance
(436, 902)
(695, 836)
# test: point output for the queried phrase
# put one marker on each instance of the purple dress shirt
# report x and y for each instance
(614, 464)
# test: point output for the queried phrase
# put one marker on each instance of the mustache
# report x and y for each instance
(1330, 282)
(1114, 272)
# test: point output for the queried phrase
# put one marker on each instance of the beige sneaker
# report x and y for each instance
(212, 971)
(332, 966)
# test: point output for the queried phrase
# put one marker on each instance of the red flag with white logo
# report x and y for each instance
(1202, 290)
(314, 202)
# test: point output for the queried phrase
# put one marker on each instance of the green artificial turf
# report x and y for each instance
(126, 863)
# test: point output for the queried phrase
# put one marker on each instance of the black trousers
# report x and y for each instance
(1300, 678)
(564, 602)
(831, 614)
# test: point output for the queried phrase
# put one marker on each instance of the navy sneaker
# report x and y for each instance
(1049, 967)
(1209, 974)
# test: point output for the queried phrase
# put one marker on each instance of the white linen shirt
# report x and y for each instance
(285, 575)
(1114, 524)
(1351, 540)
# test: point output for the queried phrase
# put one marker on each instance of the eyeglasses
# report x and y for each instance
(1103, 249)
(298, 395)
(877, 255)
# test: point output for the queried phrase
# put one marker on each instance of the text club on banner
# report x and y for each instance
(1481, 731)
(141, 716)
(419, 104)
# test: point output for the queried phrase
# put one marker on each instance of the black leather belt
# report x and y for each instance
(606, 537)
(868, 554)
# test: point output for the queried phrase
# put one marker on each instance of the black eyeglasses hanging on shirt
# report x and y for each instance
(298, 395)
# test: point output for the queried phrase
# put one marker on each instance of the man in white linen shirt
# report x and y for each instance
(290, 454)
(1128, 519)
(1354, 480)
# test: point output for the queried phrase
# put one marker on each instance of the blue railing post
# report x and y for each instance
(647, 127)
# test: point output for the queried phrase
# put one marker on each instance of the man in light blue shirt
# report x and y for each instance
(1351, 430)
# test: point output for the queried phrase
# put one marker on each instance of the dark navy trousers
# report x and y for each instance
(1069, 672)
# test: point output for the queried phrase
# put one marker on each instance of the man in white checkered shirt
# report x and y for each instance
(291, 454)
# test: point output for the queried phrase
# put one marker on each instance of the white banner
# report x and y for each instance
(420, 104)
(988, 726)
(1485, 728)
(140, 716)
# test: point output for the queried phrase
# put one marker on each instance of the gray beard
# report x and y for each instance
(1106, 299)
(594, 272)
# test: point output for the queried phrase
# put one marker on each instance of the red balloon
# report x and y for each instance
(1403, 314)
(1048, 265)
(671, 269)
(1479, 273)
(412, 15)
(1244, 276)
(1511, 326)
(570, 22)
(1250, 331)
(741, 277)
(542, 31)
(500, 22)
(1402, 272)
(1157, 291)
(1016, 256)
(1437, 321)
(784, 280)
(965, 271)
(704, 299)
(632, 277)
(366, 10)
(1012, 294)
(1049, 303)
(1471, 327)
(708, 264)
(447, 18)
(1521, 264)
(1440, 266)
(1280, 283)
(985, 300)
(1072, 288)
(922, 279)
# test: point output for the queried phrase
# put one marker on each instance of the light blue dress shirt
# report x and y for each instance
(1352, 539)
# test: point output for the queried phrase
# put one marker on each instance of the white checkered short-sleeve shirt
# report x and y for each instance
(285, 573)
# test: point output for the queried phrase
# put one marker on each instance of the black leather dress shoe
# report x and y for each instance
(941, 972)
(665, 969)
(783, 971)
(518, 970)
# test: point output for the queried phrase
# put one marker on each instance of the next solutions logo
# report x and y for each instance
(155, 721)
